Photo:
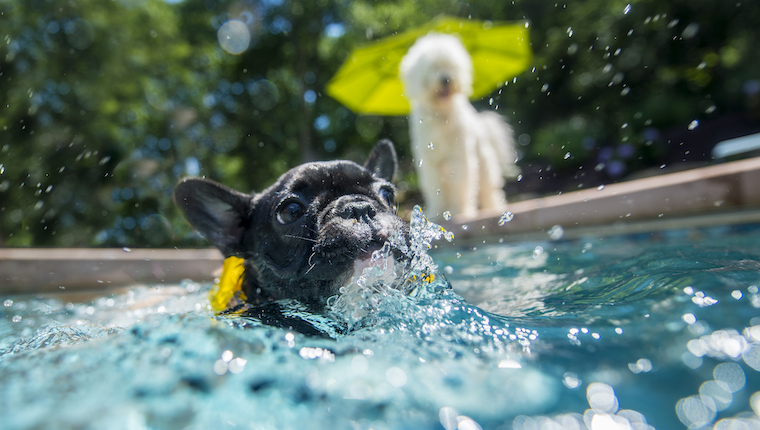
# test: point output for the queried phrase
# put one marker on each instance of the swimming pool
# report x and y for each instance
(653, 330)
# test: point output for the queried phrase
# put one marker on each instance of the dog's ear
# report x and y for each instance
(382, 161)
(219, 213)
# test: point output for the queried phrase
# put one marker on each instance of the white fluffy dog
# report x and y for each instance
(461, 155)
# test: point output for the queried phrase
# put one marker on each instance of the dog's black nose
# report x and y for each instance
(358, 210)
(445, 81)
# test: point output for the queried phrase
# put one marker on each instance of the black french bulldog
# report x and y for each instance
(300, 238)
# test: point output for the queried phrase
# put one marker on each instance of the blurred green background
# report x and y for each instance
(105, 104)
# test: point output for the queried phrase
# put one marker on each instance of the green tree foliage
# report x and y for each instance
(96, 100)
(106, 104)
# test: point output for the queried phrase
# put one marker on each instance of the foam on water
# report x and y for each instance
(595, 334)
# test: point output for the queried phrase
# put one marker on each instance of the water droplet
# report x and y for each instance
(544, 88)
(8, 303)
(571, 380)
(16, 318)
(431, 146)
(420, 163)
(538, 251)
(125, 249)
(627, 9)
(694, 124)
(505, 218)
(447, 215)
(490, 102)
(600, 187)
(2, 169)
(464, 226)
(420, 120)
(567, 156)
(556, 232)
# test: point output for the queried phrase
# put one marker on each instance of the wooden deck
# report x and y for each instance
(721, 194)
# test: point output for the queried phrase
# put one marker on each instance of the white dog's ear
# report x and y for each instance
(410, 75)
(219, 213)
(382, 161)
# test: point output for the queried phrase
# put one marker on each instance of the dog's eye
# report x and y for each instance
(290, 212)
(387, 195)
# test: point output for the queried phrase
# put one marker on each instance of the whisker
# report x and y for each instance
(311, 265)
(301, 237)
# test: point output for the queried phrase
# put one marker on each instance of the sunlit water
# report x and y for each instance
(655, 331)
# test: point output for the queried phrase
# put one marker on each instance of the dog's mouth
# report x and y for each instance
(381, 268)
(375, 265)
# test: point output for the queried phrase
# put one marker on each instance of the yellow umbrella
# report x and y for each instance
(368, 80)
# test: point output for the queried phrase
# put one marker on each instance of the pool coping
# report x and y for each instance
(697, 197)
(721, 194)
(66, 270)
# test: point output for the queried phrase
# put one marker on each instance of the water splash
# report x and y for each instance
(384, 277)
(505, 218)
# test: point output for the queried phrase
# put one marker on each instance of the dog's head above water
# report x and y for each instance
(302, 237)
(436, 69)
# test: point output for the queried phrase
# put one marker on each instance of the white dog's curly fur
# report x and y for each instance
(461, 155)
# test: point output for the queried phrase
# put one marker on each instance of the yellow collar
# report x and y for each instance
(228, 290)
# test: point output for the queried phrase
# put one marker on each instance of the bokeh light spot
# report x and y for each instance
(234, 37)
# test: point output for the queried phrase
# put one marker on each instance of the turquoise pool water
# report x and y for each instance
(649, 331)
